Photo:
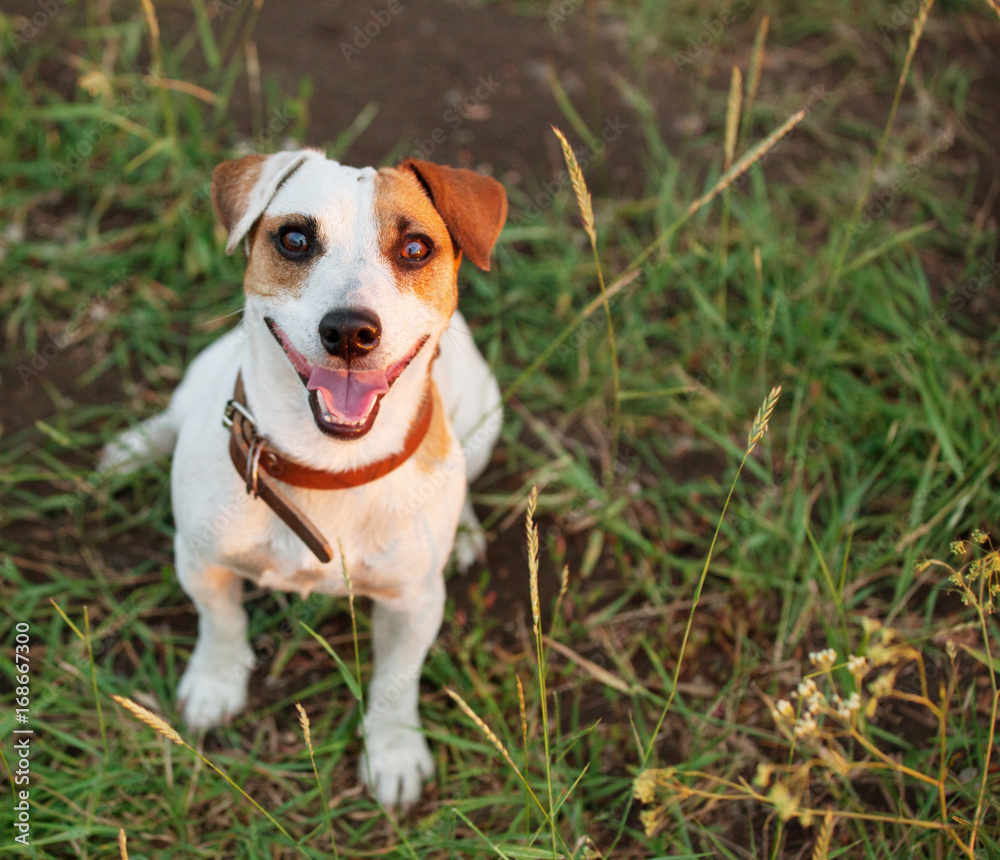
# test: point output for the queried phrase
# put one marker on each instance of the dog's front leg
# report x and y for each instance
(397, 760)
(214, 685)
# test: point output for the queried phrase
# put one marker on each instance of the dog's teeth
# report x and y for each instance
(331, 419)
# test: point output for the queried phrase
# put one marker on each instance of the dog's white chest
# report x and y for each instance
(380, 546)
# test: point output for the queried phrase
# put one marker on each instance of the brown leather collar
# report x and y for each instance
(260, 466)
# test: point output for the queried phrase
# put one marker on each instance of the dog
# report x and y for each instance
(319, 446)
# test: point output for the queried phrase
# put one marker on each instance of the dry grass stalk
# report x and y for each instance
(748, 160)
(154, 26)
(757, 58)
(304, 722)
(599, 674)
(918, 30)
(156, 723)
(579, 186)
(159, 725)
(485, 729)
(563, 588)
(523, 710)
(122, 849)
(189, 89)
(587, 214)
(733, 115)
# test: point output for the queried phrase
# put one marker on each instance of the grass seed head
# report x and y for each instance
(757, 60)
(532, 535)
(822, 849)
(579, 186)
(304, 722)
(485, 729)
(759, 427)
(150, 719)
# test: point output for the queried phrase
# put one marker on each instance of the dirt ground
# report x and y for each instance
(463, 84)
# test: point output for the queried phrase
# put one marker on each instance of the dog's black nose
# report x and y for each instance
(349, 334)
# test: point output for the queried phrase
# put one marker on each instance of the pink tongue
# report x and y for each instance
(348, 394)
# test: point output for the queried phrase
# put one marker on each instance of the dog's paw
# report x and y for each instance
(470, 547)
(470, 541)
(209, 698)
(395, 766)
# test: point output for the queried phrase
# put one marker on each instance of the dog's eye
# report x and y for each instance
(416, 249)
(294, 241)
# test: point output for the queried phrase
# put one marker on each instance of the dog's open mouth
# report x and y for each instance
(344, 401)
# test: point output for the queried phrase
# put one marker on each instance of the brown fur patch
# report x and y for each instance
(232, 183)
(403, 209)
(268, 272)
(473, 207)
(433, 450)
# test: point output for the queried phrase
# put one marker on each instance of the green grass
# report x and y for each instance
(882, 448)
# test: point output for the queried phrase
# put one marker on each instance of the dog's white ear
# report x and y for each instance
(473, 207)
(242, 188)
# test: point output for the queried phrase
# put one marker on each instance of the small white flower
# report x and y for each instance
(823, 660)
(783, 711)
(857, 665)
(807, 688)
(844, 710)
(806, 726)
(816, 701)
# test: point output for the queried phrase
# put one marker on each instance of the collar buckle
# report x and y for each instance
(232, 407)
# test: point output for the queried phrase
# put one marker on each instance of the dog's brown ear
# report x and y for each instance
(242, 188)
(473, 207)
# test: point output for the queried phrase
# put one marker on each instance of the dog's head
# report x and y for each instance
(354, 272)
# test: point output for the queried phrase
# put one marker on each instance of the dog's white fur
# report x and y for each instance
(396, 533)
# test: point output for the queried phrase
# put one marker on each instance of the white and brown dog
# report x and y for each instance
(344, 401)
